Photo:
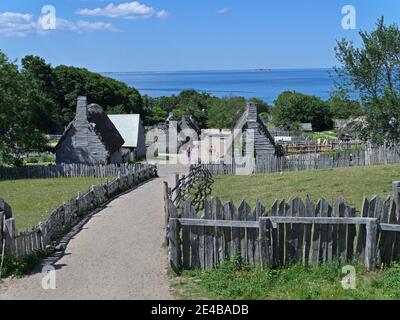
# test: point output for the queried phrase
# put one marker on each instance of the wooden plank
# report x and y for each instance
(174, 241)
(194, 242)
(258, 212)
(360, 250)
(219, 245)
(342, 230)
(316, 239)
(370, 246)
(289, 247)
(324, 231)
(227, 216)
(9, 235)
(235, 232)
(396, 245)
(351, 233)
(309, 212)
(208, 237)
(396, 197)
(186, 213)
(274, 235)
(335, 230)
(265, 245)
(251, 235)
(329, 253)
(242, 211)
(281, 235)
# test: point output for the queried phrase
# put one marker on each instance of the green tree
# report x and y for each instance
(224, 113)
(17, 130)
(46, 114)
(342, 107)
(372, 71)
(72, 82)
(292, 108)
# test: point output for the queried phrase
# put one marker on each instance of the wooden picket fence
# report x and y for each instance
(67, 170)
(289, 232)
(22, 244)
(310, 161)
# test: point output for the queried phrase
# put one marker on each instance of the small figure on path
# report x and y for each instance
(188, 153)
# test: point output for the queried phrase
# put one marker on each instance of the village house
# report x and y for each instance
(264, 143)
(131, 129)
(91, 138)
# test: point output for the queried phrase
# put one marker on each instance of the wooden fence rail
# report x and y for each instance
(22, 244)
(300, 162)
(67, 170)
(293, 231)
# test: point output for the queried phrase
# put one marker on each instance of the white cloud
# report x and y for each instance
(14, 24)
(223, 10)
(162, 14)
(128, 10)
(81, 26)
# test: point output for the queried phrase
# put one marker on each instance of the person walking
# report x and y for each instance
(189, 153)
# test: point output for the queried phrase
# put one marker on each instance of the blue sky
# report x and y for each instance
(158, 35)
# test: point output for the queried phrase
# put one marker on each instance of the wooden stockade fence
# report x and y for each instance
(183, 185)
(300, 162)
(290, 232)
(67, 170)
(22, 244)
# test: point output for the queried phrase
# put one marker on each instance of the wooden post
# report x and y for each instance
(264, 243)
(9, 234)
(370, 246)
(177, 185)
(396, 197)
(166, 213)
(174, 244)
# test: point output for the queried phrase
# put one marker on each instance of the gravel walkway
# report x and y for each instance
(118, 253)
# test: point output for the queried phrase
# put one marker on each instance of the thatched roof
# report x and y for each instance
(102, 126)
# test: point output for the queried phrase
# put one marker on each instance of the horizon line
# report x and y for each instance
(222, 70)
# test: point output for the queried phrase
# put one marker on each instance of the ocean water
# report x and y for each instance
(263, 84)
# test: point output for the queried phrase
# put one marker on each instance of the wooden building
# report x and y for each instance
(91, 138)
(264, 143)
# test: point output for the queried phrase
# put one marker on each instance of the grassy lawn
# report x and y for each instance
(32, 200)
(294, 283)
(353, 183)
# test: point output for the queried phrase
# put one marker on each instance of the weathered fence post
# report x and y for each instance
(370, 245)
(166, 213)
(264, 243)
(396, 197)
(9, 234)
(174, 244)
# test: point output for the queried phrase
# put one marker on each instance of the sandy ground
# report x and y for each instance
(117, 253)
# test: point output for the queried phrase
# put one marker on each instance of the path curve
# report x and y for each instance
(118, 254)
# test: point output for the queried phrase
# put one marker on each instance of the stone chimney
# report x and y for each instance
(81, 109)
(251, 111)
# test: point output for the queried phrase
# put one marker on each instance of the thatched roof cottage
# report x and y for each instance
(91, 138)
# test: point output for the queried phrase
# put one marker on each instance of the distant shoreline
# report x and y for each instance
(214, 71)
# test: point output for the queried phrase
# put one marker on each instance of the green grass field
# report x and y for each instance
(33, 200)
(353, 183)
(293, 283)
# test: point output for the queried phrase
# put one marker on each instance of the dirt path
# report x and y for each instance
(118, 253)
